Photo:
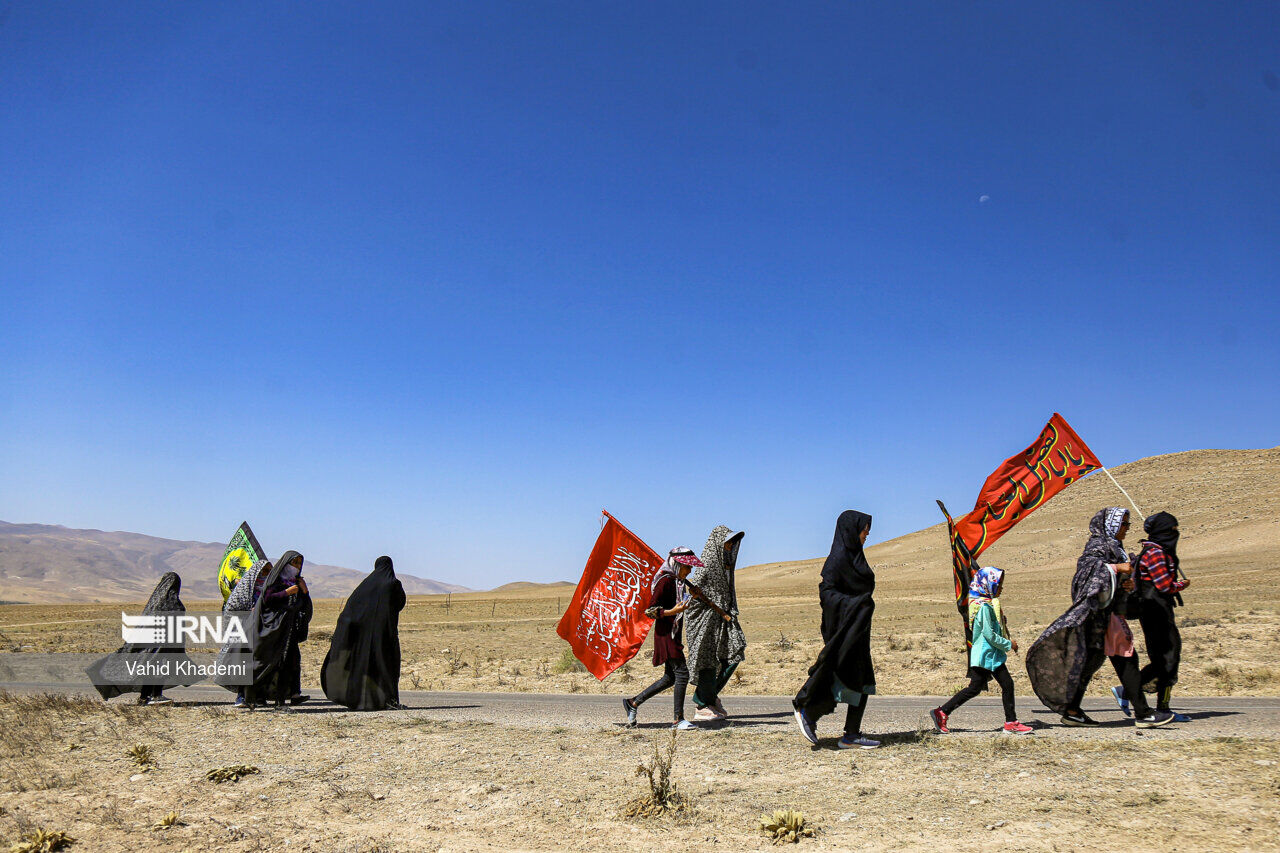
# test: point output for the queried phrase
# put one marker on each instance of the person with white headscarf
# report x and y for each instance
(668, 598)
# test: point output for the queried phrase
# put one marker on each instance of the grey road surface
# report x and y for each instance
(1210, 716)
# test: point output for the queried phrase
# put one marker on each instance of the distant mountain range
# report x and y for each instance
(45, 563)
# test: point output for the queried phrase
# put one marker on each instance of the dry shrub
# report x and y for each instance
(568, 662)
(170, 820)
(30, 720)
(232, 773)
(783, 643)
(453, 662)
(663, 797)
(43, 841)
(785, 826)
(142, 756)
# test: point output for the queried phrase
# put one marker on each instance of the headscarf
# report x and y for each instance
(362, 667)
(1113, 521)
(679, 556)
(1162, 529)
(846, 569)
(290, 573)
(714, 577)
(246, 590)
(985, 582)
(164, 598)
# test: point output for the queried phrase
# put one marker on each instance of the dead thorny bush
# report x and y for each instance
(785, 826)
(663, 797)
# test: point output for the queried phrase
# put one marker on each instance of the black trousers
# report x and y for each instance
(675, 673)
(1164, 647)
(708, 692)
(979, 678)
(1130, 679)
(853, 718)
(149, 691)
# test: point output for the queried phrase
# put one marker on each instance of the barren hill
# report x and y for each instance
(42, 563)
(1226, 502)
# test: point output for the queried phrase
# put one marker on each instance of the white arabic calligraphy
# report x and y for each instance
(612, 601)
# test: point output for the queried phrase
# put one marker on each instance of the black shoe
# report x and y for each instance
(298, 698)
(1082, 720)
(631, 712)
(1155, 718)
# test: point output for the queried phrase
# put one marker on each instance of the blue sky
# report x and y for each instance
(442, 280)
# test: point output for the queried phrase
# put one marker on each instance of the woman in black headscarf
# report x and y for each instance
(362, 668)
(160, 665)
(1159, 591)
(279, 621)
(843, 671)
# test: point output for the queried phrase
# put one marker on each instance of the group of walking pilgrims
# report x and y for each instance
(695, 600)
(698, 638)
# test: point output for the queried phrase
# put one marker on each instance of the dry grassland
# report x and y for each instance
(396, 782)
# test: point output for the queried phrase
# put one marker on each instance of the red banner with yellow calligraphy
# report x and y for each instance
(605, 624)
(1055, 460)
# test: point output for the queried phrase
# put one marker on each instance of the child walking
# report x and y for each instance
(991, 645)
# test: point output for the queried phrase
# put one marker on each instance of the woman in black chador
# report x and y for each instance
(362, 668)
(111, 675)
(843, 671)
(278, 622)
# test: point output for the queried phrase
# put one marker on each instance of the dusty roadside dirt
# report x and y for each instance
(400, 782)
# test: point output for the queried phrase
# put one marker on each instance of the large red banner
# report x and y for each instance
(605, 624)
(1055, 460)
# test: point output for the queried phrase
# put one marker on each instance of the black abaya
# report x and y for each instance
(279, 626)
(362, 668)
(845, 593)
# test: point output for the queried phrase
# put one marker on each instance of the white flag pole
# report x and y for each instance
(1123, 492)
(1135, 507)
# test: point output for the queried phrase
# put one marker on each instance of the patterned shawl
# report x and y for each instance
(1070, 650)
(242, 594)
(709, 641)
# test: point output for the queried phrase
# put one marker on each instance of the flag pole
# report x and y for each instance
(1123, 492)
(1135, 507)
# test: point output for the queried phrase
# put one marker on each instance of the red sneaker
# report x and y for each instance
(939, 717)
(1017, 728)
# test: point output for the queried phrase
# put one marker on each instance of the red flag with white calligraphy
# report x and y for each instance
(605, 624)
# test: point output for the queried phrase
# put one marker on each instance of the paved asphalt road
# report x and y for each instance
(1211, 717)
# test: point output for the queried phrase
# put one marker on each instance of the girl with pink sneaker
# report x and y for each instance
(991, 645)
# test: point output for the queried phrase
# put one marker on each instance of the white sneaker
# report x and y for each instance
(684, 726)
(160, 700)
(706, 715)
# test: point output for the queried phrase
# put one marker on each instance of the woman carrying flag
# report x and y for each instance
(668, 598)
